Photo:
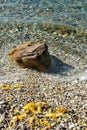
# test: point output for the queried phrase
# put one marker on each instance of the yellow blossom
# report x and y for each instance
(31, 121)
(20, 117)
(16, 112)
(38, 109)
(44, 122)
(16, 86)
(51, 115)
(6, 87)
(61, 110)
(32, 110)
(25, 115)
(30, 105)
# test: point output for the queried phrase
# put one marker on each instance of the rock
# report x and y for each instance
(2, 117)
(31, 54)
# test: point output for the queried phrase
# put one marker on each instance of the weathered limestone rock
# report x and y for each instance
(31, 54)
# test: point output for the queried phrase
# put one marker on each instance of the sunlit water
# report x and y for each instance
(68, 13)
(59, 12)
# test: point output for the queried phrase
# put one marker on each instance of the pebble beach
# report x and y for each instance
(61, 91)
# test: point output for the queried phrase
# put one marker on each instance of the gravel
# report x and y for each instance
(64, 84)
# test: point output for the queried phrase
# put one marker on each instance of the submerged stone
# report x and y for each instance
(31, 54)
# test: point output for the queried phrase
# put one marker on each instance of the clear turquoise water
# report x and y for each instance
(57, 12)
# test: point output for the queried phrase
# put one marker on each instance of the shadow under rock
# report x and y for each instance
(58, 67)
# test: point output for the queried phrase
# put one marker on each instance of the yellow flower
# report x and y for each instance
(30, 105)
(17, 86)
(61, 110)
(38, 109)
(52, 115)
(44, 122)
(35, 108)
(32, 110)
(25, 115)
(16, 112)
(31, 121)
(20, 117)
(6, 87)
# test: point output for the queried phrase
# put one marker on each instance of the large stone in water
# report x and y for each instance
(31, 54)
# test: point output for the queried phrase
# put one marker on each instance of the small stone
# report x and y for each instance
(2, 118)
(73, 125)
(62, 128)
(2, 102)
(31, 54)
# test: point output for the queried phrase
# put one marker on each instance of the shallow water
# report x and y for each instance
(58, 12)
(62, 24)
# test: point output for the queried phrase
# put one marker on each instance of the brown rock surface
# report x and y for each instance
(31, 54)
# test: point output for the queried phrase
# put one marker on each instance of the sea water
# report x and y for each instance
(58, 12)
(22, 20)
